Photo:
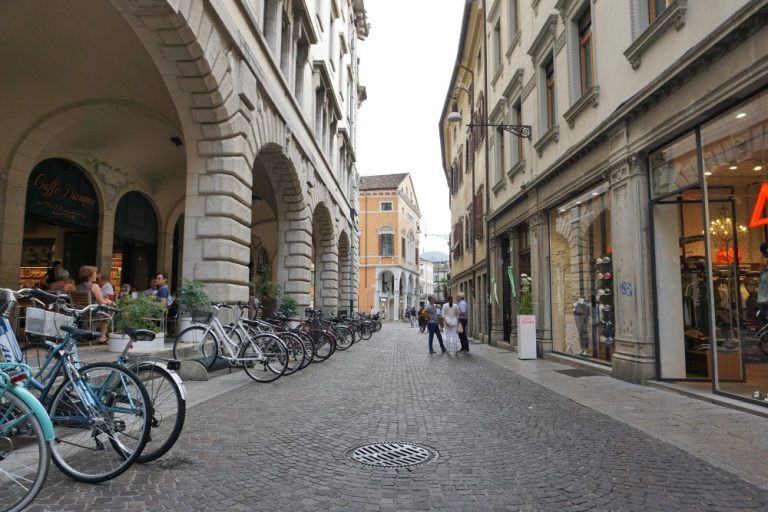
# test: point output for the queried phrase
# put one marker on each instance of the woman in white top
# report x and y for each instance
(451, 321)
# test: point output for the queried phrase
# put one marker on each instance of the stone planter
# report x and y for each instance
(526, 337)
(117, 343)
(194, 336)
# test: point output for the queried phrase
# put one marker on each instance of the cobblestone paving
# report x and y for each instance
(505, 443)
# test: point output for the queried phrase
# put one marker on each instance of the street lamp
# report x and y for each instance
(519, 130)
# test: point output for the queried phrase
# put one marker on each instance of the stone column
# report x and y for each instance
(539, 237)
(635, 353)
(396, 295)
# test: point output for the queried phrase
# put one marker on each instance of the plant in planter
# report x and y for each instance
(526, 320)
(289, 305)
(189, 297)
(265, 289)
(141, 312)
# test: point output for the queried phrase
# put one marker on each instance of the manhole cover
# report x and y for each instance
(579, 372)
(175, 463)
(392, 455)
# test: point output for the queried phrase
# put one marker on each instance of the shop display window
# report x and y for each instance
(582, 276)
(709, 231)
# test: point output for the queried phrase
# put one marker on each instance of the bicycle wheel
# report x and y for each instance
(367, 330)
(309, 347)
(196, 343)
(102, 422)
(344, 337)
(264, 357)
(296, 352)
(169, 409)
(25, 455)
(323, 345)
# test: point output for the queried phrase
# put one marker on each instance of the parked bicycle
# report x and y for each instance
(263, 356)
(101, 412)
(26, 434)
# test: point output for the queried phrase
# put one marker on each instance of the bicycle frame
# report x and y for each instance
(232, 348)
(29, 400)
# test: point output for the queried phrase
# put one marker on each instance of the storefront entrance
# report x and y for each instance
(710, 255)
(61, 221)
(134, 254)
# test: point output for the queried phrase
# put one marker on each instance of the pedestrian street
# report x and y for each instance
(496, 440)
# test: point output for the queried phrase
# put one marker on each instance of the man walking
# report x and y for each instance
(433, 324)
(463, 310)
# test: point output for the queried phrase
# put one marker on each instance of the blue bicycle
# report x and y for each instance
(26, 434)
(101, 412)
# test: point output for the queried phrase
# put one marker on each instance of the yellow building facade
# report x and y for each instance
(389, 253)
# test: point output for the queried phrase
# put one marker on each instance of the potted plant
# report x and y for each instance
(526, 320)
(189, 297)
(141, 312)
(265, 289)
(289, 305)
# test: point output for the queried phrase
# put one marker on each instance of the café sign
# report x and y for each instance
(58, 191)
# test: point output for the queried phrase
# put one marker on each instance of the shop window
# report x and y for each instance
(582, 276)
(710, 253)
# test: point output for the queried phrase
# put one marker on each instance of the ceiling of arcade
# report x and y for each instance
(56, 55)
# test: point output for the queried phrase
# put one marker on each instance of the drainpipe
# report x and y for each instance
(487, 178)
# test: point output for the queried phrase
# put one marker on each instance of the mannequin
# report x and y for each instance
(762, 289)
(581, 315)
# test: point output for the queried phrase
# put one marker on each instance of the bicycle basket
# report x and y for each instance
(200, 316)
(46, 323)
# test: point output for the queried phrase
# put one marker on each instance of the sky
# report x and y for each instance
(406, 65)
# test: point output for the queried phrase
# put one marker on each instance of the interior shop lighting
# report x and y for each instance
(758, 168)
(741, 115)
(707, 173)
(733, 167)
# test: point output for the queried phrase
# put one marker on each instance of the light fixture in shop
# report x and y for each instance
(758, 168)
(741, 115)
(591, 194)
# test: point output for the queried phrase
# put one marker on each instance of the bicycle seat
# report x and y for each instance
(140, 334)
(81, 334)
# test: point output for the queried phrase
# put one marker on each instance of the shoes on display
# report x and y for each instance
(607, 291)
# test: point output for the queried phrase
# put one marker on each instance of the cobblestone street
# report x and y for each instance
(504, 443)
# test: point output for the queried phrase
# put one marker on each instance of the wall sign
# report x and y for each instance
(758, 214)
(58, 191)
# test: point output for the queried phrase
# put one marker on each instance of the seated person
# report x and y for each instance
(61, 283)
(88, 283)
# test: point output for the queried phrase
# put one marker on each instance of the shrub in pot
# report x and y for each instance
(141, 312)
(189, 297)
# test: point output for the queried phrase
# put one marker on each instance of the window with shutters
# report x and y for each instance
(402, 248)
(385, 244)
(478, 215)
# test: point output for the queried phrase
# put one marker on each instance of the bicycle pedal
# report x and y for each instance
(118, 425)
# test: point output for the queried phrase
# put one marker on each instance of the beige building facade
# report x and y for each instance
(635, 206)
(209, 139)
(389, 252)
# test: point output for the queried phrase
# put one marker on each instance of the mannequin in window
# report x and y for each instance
(581, 316)
(762, 289)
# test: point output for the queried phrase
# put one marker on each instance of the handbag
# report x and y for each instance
(461, 328)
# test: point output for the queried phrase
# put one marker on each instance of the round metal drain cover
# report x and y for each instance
(392, 454)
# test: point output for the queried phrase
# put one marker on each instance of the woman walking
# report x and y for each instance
(451, 321)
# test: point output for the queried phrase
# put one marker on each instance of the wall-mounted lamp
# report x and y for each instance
(519, 130)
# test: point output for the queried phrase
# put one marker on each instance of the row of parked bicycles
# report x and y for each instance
(95, 420)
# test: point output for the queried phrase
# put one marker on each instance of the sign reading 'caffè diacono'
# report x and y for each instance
(58, 191)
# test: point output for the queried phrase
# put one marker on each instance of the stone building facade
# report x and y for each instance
(389, 251)
(208, 139)
(636, 203)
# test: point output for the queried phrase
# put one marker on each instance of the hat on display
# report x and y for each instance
(602, 339)
(607, 308)
(606, 291)
(600, 292)
(599, 261)
(607, 276)
(606, 259)
(599, 275)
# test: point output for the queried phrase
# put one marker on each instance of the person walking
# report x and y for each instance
(433, 324)
(422, 318)
(463, 316)
(412, 315)
(451, 321)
